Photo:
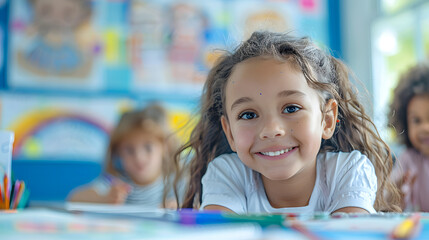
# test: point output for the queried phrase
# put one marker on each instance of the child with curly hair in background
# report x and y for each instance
(409, 116)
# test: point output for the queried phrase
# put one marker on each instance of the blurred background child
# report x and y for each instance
(138, 165)
(409, 116)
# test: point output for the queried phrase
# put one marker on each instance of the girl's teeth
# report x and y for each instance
(272, 154)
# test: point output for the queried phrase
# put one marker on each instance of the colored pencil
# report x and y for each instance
(6, 191)
(303, 230)
(407, 228)
(19, 194)
(14, 193)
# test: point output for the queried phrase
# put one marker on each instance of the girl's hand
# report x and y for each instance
(118, 192)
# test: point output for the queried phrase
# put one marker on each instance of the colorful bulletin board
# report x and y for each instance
(132, 45)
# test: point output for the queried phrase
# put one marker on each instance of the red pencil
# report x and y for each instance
(304, 231)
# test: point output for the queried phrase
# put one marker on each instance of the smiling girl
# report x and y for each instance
(281, 130)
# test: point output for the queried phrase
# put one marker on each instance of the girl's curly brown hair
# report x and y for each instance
(412, 83)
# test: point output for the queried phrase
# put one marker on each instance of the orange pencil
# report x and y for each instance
(1, 198)
(19, 194)
(6, 191)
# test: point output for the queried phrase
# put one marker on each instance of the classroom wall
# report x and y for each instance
(356, 17)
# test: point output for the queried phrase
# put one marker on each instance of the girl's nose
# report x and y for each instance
(140, 155)
(272, 128)
(425, 125)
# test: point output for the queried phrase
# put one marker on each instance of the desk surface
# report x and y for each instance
(44, 223)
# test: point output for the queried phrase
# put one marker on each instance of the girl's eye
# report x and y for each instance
(128, 151)
(148, 147)
(291, 109)
(247, 115)
(415, 120)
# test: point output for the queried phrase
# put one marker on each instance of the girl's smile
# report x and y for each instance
(273, 155)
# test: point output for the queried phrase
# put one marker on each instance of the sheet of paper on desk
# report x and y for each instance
(49, 224)
(369, 224)
(110, 208)
(136, 211)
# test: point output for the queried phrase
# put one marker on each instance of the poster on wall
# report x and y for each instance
(299, 18)
(191, 30)
(53, 44)
(60, 128)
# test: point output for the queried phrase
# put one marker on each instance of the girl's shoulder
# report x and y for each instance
(228, 160)
(230, 165)
(341, 160)
(340, 163)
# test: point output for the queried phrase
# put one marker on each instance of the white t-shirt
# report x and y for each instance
(343, 180)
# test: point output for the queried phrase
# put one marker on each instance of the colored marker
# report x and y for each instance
(192, 217)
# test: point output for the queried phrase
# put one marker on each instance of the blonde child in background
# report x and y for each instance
(301, 142)
(409, 116)
(138, 167)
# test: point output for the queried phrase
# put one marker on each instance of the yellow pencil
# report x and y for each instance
(406, 228)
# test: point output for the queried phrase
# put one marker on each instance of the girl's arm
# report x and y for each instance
(117, 194)
(218, 207)
(351, 210)
(85, 194)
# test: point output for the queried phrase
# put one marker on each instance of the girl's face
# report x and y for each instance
(141, 157)
(275, 123)
(418, 123)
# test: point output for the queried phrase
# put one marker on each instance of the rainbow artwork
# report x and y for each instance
(60, 128)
